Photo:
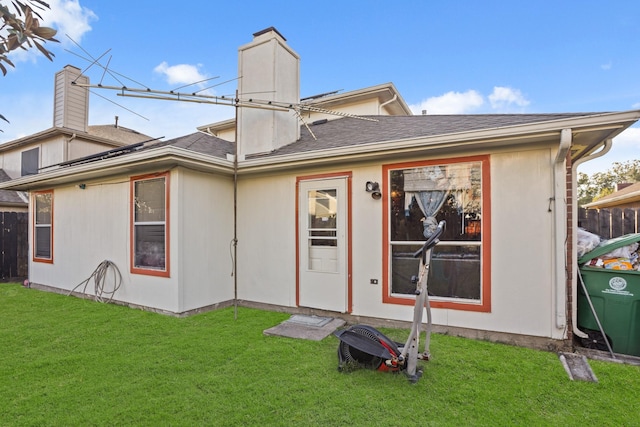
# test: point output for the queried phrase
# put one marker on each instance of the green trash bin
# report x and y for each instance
(615, 295)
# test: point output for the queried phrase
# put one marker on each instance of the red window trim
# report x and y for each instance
(33, 245)
(167, 250)
(485, 303)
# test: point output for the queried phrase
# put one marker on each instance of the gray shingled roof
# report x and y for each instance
(9, 196)
(200, 143)
(346, 132)
(120, 134)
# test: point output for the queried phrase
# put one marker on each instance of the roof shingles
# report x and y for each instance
(9, 197)
(348, 131)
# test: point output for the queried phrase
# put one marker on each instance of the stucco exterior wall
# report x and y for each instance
(267, 239)
(93, 224)
(522, 281)
(204, 233)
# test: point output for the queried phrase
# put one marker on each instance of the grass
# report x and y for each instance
(68, 362)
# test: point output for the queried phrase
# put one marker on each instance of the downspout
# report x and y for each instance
(559, 224)
(606, 146)
(387, 103)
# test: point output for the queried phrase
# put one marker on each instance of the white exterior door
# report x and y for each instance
(322, 225)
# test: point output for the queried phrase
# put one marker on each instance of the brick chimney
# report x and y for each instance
(269, 70)
(70, 103)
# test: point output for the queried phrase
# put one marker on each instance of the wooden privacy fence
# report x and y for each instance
(609, 223)
(14, 245)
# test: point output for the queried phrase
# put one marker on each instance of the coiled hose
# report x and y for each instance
(99, 277)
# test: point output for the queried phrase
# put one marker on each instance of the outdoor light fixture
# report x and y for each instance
(373, 188)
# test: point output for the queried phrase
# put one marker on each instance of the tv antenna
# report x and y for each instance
(239, 100)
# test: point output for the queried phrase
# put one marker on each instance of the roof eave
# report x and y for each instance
(55, 131)
(613, 201)
(154, 159)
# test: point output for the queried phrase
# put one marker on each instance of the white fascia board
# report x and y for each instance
(159, 157)
(54, 132)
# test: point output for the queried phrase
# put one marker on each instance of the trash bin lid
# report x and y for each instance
(609, 246)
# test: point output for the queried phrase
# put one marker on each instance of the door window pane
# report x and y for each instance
(322, 248)
(323, 208)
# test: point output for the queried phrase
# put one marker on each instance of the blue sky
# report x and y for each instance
(443, 56)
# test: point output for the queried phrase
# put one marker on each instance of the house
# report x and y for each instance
(613, 215)
(69, 138)
(324, 216)
(627, 196)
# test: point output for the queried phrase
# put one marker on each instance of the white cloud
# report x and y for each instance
(181, 73)
(65, 16)
(450, 103)
(69, 18)
(502, 98)
(636, 105)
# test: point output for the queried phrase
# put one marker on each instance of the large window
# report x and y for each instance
(150, 224)
(418, 196)
(43, 226)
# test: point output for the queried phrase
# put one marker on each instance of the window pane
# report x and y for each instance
(43, 242)
(150, 200)
(454, 271)
(43, 208)
(323, 206)
(30, 161)
(451, 192)
(415, 193)
(149, 246)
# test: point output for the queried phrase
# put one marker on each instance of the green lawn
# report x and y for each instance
(71, 362)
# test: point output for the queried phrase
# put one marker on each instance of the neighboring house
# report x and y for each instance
(290, 222)
(70, 138)
(377, 100)
(627, 197)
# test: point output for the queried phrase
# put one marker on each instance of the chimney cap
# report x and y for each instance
(266, 30)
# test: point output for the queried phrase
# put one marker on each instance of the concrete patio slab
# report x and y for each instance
(313, 328)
